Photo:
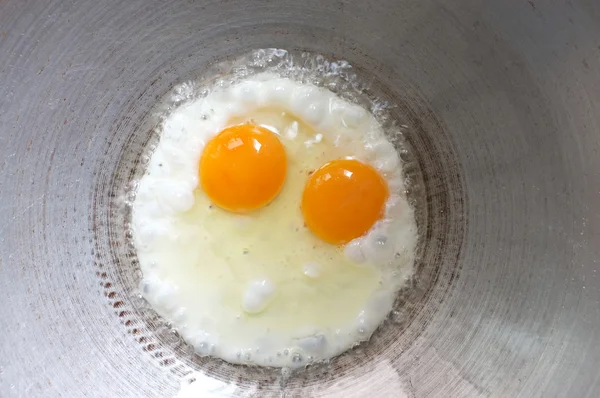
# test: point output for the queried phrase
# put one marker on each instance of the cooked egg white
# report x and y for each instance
(259, 287)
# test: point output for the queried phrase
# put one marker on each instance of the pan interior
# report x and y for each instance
(499, 99)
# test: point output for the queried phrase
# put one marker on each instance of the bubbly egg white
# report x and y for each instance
(260, 288)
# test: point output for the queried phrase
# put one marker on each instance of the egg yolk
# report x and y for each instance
(243, 168)
(343, 199)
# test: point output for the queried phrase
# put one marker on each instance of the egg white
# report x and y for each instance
(260, 288)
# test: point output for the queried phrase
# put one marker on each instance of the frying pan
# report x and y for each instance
(499, 103)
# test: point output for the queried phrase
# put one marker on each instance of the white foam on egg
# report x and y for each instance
(168, 190)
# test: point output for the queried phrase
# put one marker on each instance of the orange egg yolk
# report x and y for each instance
(243, 168)
(343, 199)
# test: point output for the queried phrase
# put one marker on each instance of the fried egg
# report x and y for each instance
(271, 225)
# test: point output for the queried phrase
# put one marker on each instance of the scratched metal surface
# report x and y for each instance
(501, 103)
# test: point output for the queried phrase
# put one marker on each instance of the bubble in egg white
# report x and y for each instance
(313, 344)
(176, 196)
(312, 269)
(257, 295)
(281, 92)
(303, 99)
(151, 230)
(292, 131)
(393, 208)
(353, 116)
(395, 184)
(314, 113)
(179, 315)
(250, 93)
(314, 140)
(353, 251)
(377, 247)
(163, 295)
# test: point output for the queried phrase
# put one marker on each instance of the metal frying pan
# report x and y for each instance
(500, 101)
